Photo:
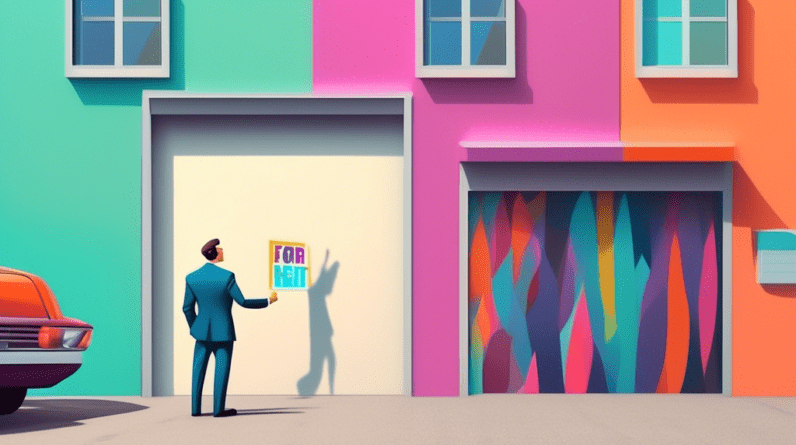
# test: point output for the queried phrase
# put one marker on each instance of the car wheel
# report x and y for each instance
(11, 399)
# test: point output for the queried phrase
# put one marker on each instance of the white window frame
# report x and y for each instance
(466, 69)
(118, 69)
(686, 70)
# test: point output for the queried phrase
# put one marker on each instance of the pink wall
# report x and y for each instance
(566, 89)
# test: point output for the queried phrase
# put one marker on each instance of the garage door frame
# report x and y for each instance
(185, 103)
(604, 176)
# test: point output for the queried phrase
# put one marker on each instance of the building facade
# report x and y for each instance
(534, 191)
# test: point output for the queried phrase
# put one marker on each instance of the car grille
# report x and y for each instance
(16, 337)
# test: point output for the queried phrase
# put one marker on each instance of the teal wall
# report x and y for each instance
(70, 157)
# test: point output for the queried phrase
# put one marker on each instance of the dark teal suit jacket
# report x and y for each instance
(214, 289)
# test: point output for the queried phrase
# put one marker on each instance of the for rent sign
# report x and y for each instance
(289, 266)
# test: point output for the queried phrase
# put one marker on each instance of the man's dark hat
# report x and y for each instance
(210, 245)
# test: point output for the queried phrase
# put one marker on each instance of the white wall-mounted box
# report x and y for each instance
(776, 256)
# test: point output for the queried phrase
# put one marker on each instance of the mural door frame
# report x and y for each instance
(590, 176)
(155, 374)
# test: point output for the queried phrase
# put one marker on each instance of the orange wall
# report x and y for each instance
(756, 112)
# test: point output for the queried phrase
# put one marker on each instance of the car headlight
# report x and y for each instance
(72, 337)
(52, 338)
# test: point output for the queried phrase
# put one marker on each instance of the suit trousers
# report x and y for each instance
(201, 355)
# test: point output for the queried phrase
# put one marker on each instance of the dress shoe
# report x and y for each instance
(226, 413)
(196, 414)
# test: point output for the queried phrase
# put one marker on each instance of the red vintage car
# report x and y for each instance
(39, 347)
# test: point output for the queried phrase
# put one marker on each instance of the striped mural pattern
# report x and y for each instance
(589, 292)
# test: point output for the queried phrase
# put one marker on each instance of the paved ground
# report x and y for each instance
(504, 419)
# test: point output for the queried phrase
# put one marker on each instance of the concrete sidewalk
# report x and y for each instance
(492, 418)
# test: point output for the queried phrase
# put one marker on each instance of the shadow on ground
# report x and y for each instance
(39, 415)
(258, 411)
(248, 412)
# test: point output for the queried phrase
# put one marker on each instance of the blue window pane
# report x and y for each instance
(488, 43)
(708, 43)
(663, 8)
(488, 8)
(443, 8)
(94, 8)
(443, 43)
(142, 43)
(708, 8)
(93, 43)
(663, 43)
(142, 8)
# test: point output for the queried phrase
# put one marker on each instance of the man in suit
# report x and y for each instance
(213, 289)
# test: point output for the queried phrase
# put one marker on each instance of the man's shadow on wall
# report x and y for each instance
(320, 331)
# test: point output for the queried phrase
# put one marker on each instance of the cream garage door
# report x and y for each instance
(336, 186)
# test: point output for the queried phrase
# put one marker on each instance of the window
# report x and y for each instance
(465, 38)
(686, 38)
(117, 38)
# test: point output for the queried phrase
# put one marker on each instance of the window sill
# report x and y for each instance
(127, 72)
(465, 72)
(674, 72)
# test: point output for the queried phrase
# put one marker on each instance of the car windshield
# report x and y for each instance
(19, 297)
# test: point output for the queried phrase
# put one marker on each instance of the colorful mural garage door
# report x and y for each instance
(594, 292)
